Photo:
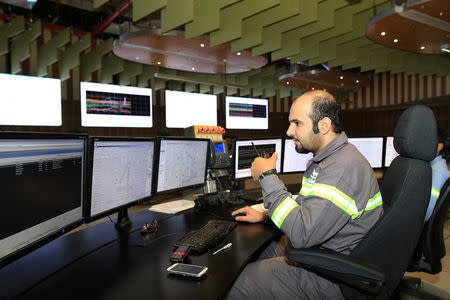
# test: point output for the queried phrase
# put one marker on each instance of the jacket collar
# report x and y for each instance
(331, 147)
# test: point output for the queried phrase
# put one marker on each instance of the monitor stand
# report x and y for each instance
(123, 222)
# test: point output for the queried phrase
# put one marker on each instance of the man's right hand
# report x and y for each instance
(248, 214)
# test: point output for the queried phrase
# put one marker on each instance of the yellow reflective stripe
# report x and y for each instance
(282, 210)
(373, 202)
(340, 199)
(435, 193)
(306, 187)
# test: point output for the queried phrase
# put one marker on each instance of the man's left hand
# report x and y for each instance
(260, 165)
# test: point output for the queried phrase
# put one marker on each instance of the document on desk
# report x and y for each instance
(173, 207)
(259, 207)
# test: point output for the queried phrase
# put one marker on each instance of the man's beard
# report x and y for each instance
(302, 150)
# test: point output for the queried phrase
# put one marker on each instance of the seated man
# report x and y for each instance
(338, 203)
(440, 171)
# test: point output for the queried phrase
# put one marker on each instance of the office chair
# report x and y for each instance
(431, 248)
(375, 267)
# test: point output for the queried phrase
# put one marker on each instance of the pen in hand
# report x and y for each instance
(223, 248)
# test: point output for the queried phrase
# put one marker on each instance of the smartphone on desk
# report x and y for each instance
(187, 270)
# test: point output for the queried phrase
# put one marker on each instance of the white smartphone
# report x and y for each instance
(187, 270)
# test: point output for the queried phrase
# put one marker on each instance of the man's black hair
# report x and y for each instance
(324, 106)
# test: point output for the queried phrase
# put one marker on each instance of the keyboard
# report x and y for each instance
(208, 236)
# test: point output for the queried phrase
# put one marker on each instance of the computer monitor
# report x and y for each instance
(120, 174)
(30, 101)
(371, 148)
(186, 109)
(246, 113)
(293, 162)
(245, 154)
(42, 184)
(181, 163)
(389, 152)
(108, 105)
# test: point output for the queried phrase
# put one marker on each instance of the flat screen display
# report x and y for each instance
(245, 154)
(108, 105)
(30, 101)
(122, 172)
(42, 189)
(246, 113)
(182, 163)
(292, 160)
(390, 152)
(186, 109)
(371, 148)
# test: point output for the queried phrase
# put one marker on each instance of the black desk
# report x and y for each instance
(131, 266)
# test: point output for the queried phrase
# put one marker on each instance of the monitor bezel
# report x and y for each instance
(382, 148)
(157, 156)
(90, 166)
(23, 135)
(283, 157)
(233, 165)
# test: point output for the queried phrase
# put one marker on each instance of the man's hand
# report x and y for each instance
(260, 165)
(248, 214)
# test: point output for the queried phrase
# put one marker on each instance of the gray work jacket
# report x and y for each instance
(337, 205)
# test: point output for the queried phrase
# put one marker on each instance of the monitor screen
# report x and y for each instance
(390, 152)
(108, 105)
(30, 101)
(121, 171)
(42, 181)
(182, 163)
(186, 109)
(245, 154)
(292, 160)
(246, 113)
(371, 148)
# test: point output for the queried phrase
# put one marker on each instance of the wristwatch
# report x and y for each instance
(266, 173)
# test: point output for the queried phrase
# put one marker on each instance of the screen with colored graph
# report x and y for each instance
(106, 105)
(245, 152)
(246, 113)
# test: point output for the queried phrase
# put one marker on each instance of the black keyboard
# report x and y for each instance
(208, 236)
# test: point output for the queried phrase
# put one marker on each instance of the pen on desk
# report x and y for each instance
(223, 248)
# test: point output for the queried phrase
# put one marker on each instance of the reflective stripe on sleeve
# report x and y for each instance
(282, 210)
(340, 199)
(306, 187)
(435, 193)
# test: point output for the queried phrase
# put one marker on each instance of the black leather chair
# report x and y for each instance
(431, 248)
(375, 267)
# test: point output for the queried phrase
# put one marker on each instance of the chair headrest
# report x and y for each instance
(415, 134)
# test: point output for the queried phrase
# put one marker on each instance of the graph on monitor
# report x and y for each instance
(245, 154)
(246, 113)
(108, 105)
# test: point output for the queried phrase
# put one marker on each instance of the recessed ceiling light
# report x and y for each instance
(383, 33)
(441, 13)
(312, 89)
(423, 47)
(158, 62)
(325, 90)
(239, 53)
(395, 41)
(202, 45)
(193, 69)
(357, 81)
(342, 77)
(287, 82)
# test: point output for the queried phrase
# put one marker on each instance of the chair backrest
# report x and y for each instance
(405, 191)
(433, 245)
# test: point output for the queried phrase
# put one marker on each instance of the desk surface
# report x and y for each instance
(134, 266)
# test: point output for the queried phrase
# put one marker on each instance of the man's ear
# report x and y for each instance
(325, 125)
